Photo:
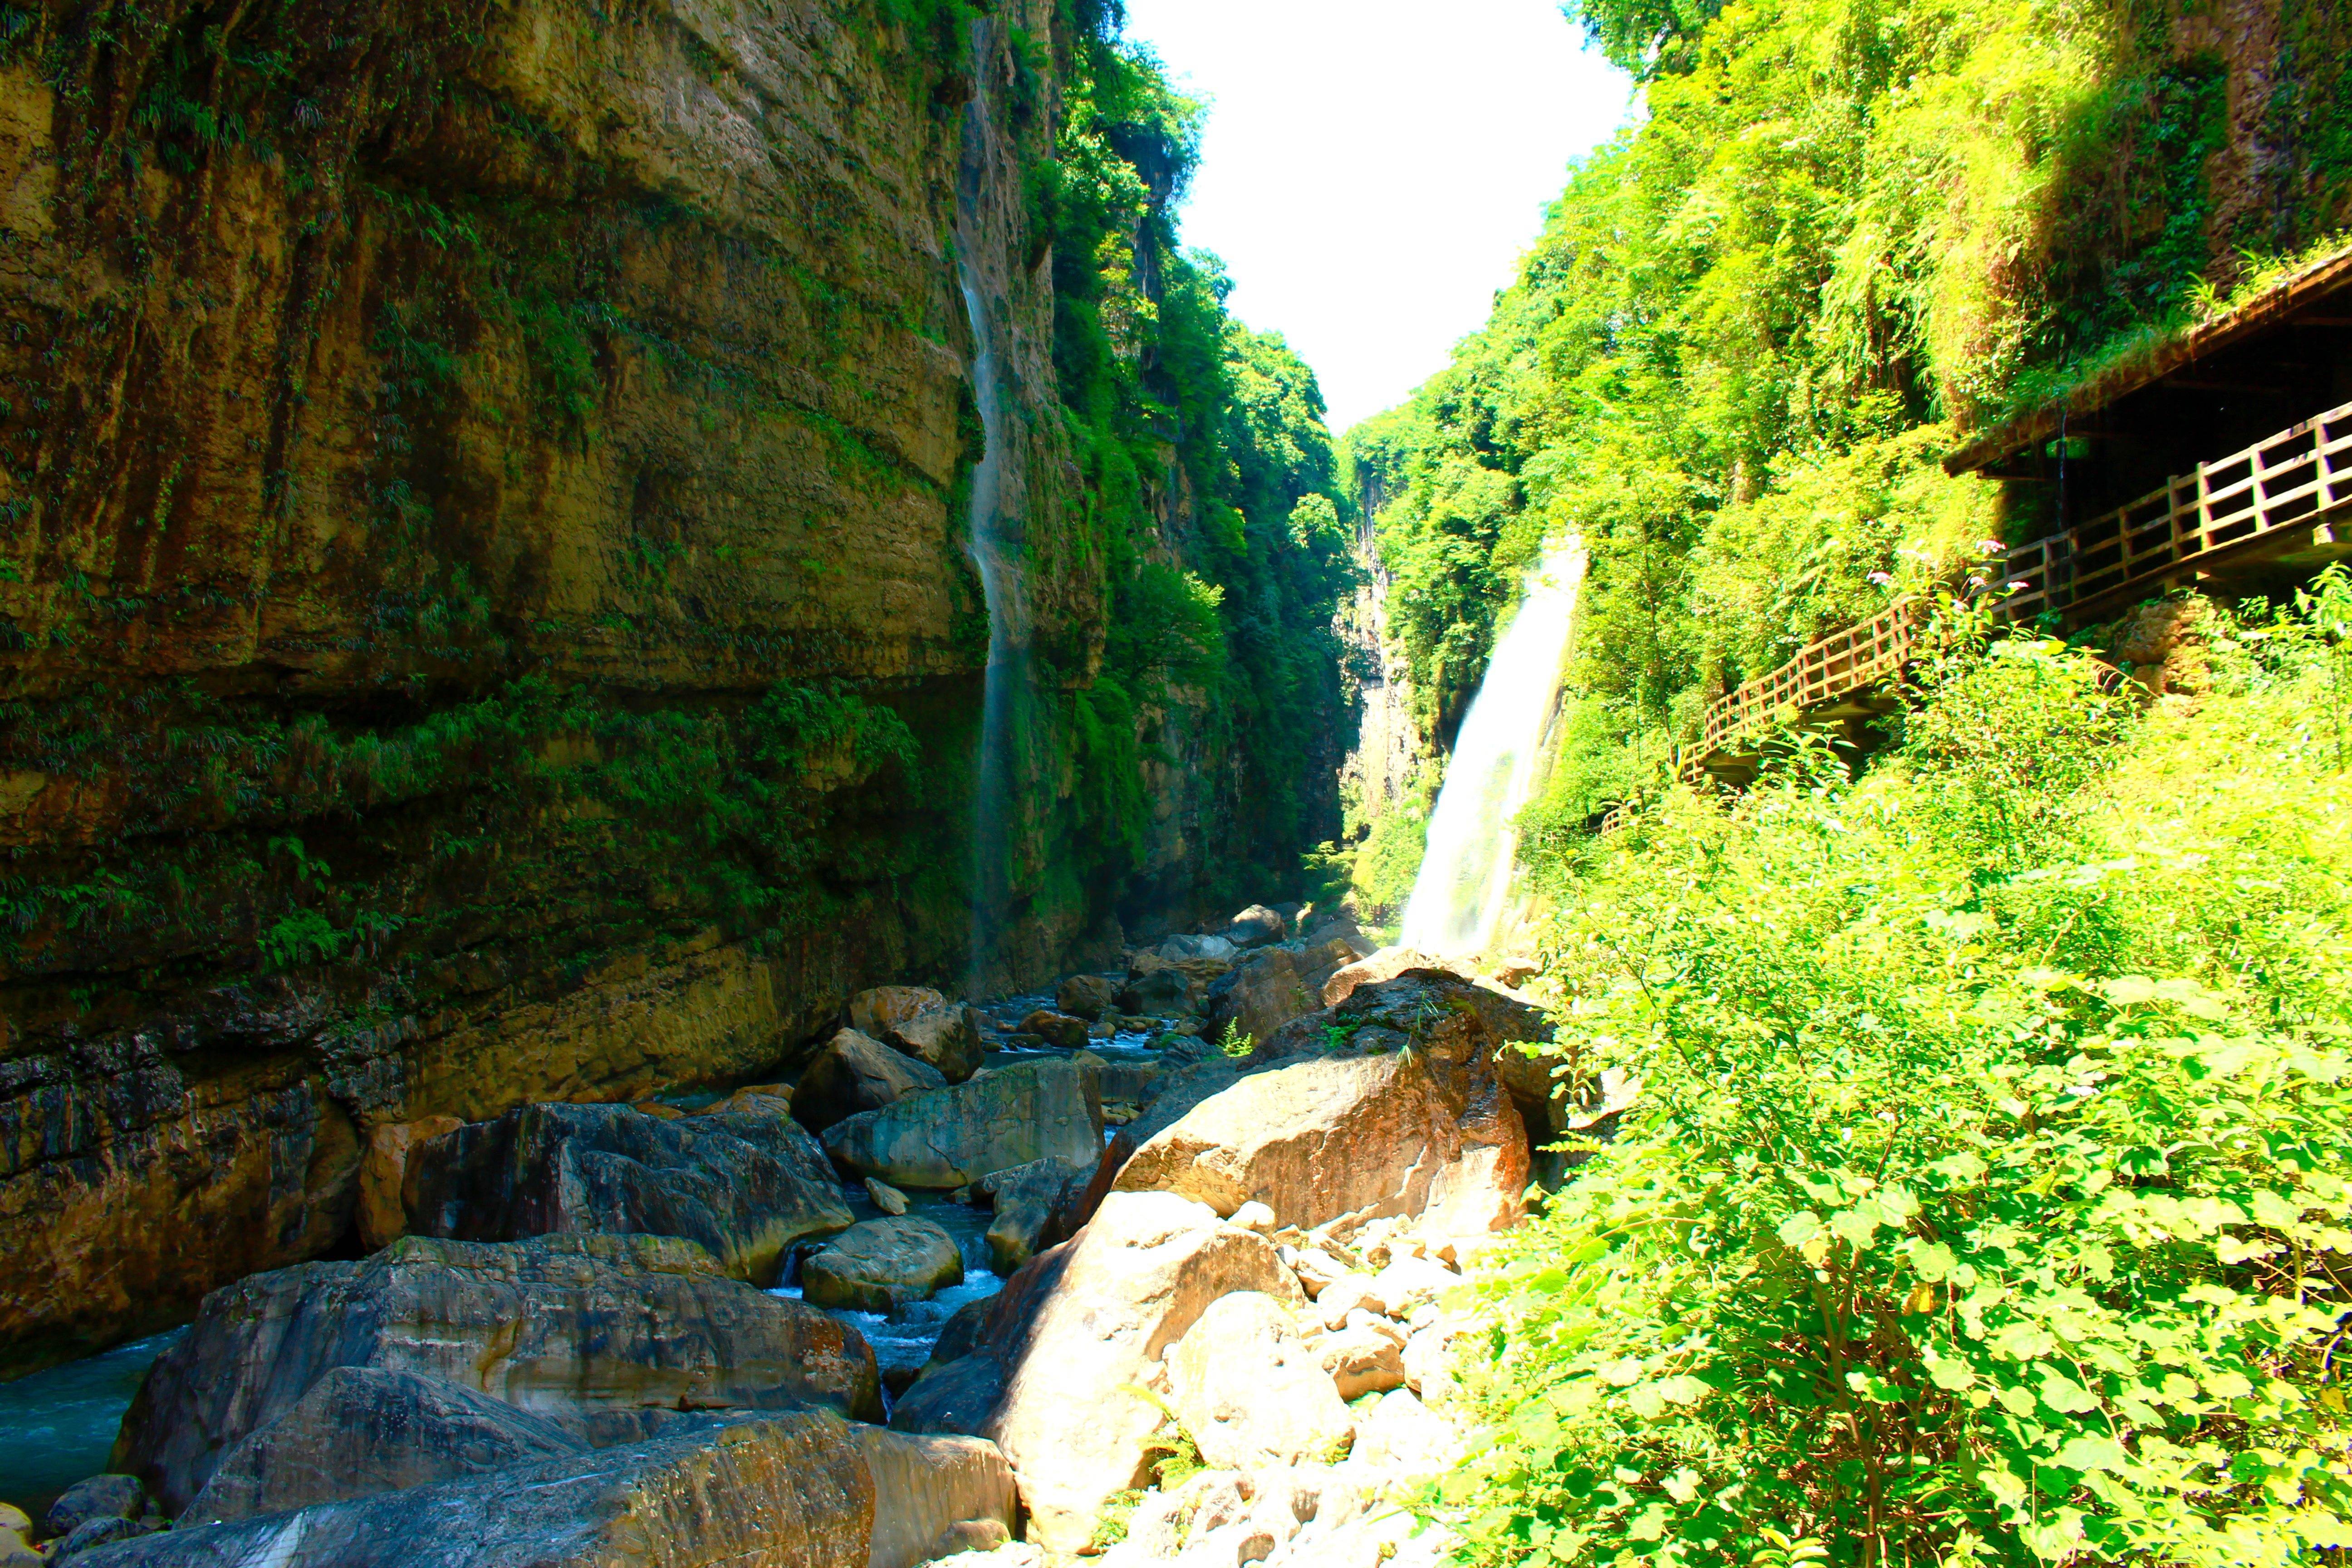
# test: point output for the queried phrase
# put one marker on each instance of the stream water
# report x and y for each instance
(1464, 883)
(57, 1426)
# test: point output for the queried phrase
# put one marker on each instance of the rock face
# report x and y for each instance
(793, 1489)
(946, 1040)
(881, 1264)
(1011, 1116)
(563, 1325)
(1250, 1391)
(1378, 1133)
(362, 1430)
(1079, 1323)
(383, 1172)
(500, 547)
(745, 1187)
(855, 1072)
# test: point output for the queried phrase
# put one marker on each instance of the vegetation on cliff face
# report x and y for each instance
(1213, 495)
(1754, 319)
(1989, 1197)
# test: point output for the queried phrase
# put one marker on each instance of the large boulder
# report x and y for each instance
(1251, 1393)
(745, 1187)
(1256, 926)
(564, 1325)
(1460, 1019)
(855, 1072)
(384, 1174)
(925, 1487)
(1176, 949)
(877, 1012)
(882, 1264)
(1386, 964)
(1078, 1328)
(1086, 996)
(1000, 1118)
(945, 1038)
(1266, 991)
(1061, 1029)
(1028, 1198)
(1378, 1130)
(792, 1489)
(98, 1496)
(360, 1430)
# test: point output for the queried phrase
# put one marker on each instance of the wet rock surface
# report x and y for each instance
(946, 1040)
(881, 1264)
(746, 1188)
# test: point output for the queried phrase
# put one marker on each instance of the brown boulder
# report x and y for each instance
(564, 1324)
(1382, 1132)
(1028, 1200)
(877, 1012)
(945, 1038)
(1255, 927)
(1266, 991)
(1056, 1029)
(856, 1073)
(1086, 996)
(383, 1169)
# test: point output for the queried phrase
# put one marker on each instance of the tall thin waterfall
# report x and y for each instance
(993, 545)
(1000, 589)
(1473, 839)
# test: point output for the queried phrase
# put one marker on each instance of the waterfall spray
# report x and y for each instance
(1474, 840)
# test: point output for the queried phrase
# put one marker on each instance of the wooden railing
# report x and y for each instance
(2291, 479)
(2288, 479)
(1825, 670)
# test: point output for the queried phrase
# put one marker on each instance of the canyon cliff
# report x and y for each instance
(487, 608)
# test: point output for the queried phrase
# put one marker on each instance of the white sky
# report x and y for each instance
(1374, 169)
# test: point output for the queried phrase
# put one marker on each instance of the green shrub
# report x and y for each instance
(1987, 1200)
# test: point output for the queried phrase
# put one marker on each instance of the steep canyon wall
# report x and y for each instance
(486, 609)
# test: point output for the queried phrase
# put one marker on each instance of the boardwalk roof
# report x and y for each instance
(2273, 308)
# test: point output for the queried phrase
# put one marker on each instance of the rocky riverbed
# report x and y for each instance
(1158, 1266)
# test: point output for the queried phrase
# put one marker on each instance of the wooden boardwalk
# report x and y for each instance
(2286, 499)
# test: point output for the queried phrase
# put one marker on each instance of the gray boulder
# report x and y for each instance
(99, 1496)
(1266, 991)
(1028, 1198)
(362, 1430)
(855, 1072)
(1000, 1118)
(794, 1488)
(1176, 949)
(946, 1038)
(882, 1264)
(567, 1325)
(1256, 926)
(744, 1186)
(93, 1533)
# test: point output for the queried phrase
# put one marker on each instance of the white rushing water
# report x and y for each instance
(1464, 883)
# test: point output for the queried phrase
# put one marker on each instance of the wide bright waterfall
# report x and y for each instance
(1465, 877)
